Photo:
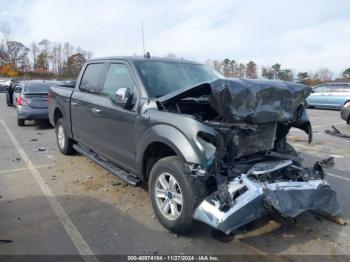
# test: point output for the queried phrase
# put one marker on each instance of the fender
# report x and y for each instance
(66, 119)
(173, 138)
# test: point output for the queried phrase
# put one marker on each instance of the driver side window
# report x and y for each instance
(118, 76)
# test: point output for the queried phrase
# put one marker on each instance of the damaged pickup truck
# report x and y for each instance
(211, 149)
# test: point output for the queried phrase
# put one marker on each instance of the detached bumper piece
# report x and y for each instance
(252, 199)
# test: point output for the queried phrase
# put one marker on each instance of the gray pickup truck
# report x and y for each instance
(211, 149)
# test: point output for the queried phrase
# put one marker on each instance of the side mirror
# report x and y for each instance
(123, 97)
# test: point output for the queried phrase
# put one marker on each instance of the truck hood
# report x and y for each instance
(247, 100)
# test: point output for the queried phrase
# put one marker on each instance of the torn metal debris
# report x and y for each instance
(336, 132)
(253, 197)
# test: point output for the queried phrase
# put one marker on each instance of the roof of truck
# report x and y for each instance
(140, 58)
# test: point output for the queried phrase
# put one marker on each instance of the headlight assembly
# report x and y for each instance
(208, 148)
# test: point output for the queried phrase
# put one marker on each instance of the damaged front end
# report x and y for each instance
(254, 169)
(254, 196)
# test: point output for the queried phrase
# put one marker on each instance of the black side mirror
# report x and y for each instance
(123, 97)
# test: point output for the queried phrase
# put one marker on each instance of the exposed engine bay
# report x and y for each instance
(256, 171)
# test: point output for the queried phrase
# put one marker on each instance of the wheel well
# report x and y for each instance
(153, 153)
(57, 115)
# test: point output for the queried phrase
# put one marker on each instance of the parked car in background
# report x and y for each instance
(32, 102)
(329, 96)
(16, 92)
(345, 112)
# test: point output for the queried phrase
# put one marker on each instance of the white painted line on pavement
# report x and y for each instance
(67, 223)
(23, 169)
(337, 176)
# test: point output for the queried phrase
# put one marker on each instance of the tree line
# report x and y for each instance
(232, 68)
(43, 59)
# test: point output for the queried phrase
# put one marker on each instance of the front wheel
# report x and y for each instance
(65, 144)
(172, 196)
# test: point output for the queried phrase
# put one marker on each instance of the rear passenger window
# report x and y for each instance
(340, 88)
(91, 78)
(336, 89)
(118, 76)
(321, 89)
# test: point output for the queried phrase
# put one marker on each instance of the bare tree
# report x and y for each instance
(67, 50)
(34, 48)
(324, 75)
(5, 30)
(16, 51)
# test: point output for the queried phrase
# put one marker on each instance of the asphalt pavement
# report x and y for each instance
(55, 204)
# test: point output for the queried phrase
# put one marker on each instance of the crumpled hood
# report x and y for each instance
(247, 100)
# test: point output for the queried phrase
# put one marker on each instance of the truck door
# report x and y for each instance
(115, 124)
(83, 109)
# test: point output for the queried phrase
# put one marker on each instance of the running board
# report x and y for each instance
(123, 175)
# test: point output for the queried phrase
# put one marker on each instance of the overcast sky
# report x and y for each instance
(302, 35)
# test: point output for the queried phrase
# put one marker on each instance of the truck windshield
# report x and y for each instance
(161, 78)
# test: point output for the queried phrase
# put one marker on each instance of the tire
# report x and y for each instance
(173, 166)
(20, 122)
(65, 144)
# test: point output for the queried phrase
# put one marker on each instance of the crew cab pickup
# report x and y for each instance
(211, 149)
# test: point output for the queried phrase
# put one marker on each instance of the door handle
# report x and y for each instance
(96, 111)
(74, 104)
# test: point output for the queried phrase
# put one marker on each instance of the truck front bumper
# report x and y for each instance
(259, 199)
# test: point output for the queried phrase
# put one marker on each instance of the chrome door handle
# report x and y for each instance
(96, 111)
(74, 104)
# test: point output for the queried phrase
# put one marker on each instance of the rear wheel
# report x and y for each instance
(65, 144)
(172, 196)
(20, 122)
